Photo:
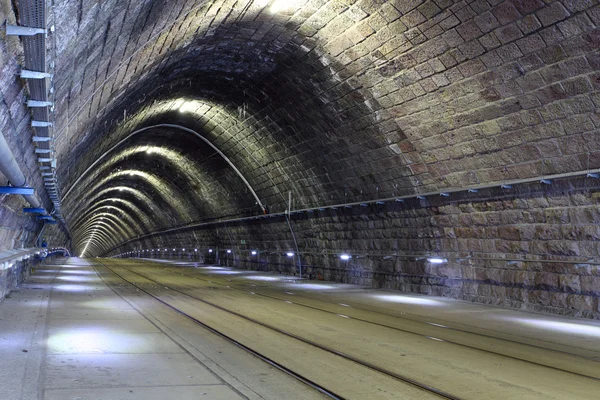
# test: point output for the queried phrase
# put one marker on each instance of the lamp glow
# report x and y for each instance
(228, 251)
(345, 257)
(436, 260)
(283, 5)
(188, 106)
(254, 252)
(290, 254)
(210, 250)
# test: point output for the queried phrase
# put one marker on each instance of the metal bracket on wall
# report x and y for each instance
(34, 210)
(41, 124)
(15, 30)
(16, 190)
(39, 103)
(27, 74)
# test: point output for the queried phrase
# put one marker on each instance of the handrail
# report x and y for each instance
(8, 257)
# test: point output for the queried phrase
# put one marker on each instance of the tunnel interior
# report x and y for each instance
(441, 147)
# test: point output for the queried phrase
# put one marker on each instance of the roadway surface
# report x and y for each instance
(131, 328)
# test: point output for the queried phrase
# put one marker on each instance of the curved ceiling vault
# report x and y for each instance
(233, 104)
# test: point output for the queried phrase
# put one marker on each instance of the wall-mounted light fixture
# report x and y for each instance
(437, 260)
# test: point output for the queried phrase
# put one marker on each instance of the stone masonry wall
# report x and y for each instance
(527, 247)
(350, 100)
(337, 100)
(17, 230)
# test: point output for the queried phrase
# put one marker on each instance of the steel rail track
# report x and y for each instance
(407, 380)
(258, 355)
(422, 322)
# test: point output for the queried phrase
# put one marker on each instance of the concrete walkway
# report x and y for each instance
(65, 334)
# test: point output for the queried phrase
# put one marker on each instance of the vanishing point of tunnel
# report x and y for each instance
(299, 199)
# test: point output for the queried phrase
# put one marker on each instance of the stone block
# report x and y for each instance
(563, 248)
(531, 43)
(570, 283)
(509, 233)
(552, 13)
(590, 284)
(528, 6)
(469, 31)
(529, 24)
(546, 281)
(429, 9)
(579, 302)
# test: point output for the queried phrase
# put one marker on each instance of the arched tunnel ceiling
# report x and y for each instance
(332, 100)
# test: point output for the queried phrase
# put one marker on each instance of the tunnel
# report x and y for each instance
(437, 159)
